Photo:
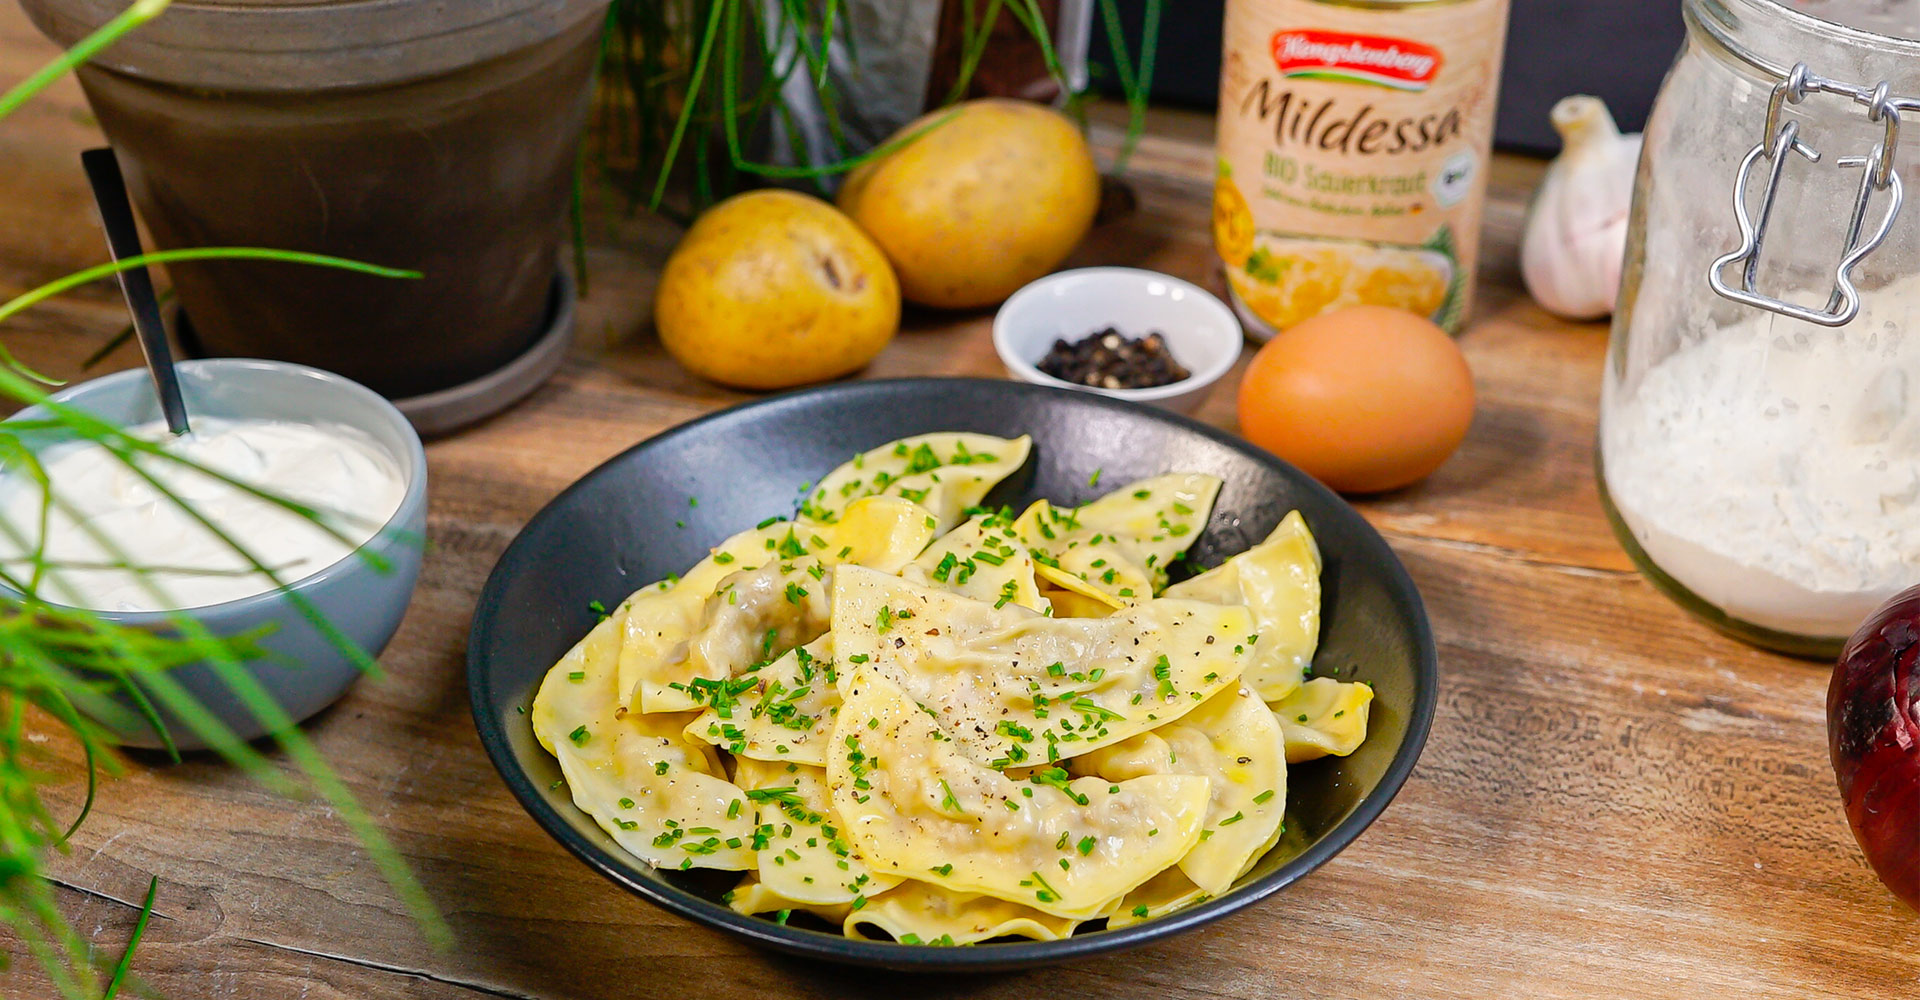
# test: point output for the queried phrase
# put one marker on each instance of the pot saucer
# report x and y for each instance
(443, 411)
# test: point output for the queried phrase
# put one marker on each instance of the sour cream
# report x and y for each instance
(340, 472)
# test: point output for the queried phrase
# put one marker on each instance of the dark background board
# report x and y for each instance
(1617, 49)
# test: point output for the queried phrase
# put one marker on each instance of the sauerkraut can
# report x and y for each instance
(1353, 141)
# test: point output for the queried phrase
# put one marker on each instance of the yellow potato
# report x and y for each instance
(985, 201)
(772, 289)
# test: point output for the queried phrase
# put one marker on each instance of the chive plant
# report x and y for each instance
(685, 82)
(54, 659)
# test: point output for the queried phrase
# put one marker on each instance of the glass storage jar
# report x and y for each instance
(1760, 421)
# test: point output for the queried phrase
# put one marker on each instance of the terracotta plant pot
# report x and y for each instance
(413, 133)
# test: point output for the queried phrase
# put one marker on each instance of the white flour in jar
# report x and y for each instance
(1773, 468)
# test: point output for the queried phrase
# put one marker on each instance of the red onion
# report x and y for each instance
(1873, 731)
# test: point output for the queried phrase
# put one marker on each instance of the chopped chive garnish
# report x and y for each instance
(1057, 778)
(1087, 706)
(1046, 893)
(947, 801)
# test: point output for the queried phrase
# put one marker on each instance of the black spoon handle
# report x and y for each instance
(123, 240)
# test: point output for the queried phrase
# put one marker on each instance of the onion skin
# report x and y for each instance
(1873, 732)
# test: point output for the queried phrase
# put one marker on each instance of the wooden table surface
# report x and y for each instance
(1615, 801)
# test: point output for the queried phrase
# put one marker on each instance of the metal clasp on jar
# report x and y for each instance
(1876, 175)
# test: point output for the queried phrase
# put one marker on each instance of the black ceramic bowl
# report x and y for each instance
(615, 530)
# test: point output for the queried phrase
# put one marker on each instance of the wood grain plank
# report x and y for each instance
(1584, 820)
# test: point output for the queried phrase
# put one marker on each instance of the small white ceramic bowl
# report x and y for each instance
(1199, 329)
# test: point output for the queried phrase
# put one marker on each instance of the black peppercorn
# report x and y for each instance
(1109, 359)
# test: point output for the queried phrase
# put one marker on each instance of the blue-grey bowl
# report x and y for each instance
(303, 670)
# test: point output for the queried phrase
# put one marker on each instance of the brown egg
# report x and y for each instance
(1363, 399)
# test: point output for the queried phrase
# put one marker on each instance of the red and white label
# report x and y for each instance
(1372, 59)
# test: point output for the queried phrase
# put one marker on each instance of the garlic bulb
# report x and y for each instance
(1576, 235)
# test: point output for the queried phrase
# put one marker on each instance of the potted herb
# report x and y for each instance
(436, 136)
(703, 98)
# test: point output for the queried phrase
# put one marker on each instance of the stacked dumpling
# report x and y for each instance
(908, 715)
